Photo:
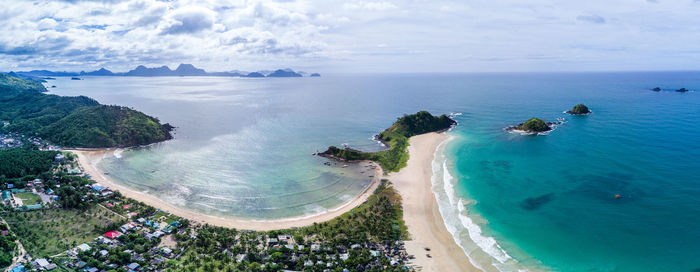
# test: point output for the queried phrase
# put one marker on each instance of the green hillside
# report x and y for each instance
(11, 84)
(74, 121)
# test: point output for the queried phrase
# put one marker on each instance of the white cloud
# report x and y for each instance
(379, 35)
(187, 20)
(47, 23)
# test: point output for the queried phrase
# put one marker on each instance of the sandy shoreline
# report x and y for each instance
(88, 159)
(421, 213)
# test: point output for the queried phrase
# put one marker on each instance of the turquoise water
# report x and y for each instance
(243, 148)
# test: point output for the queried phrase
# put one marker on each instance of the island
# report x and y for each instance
(254, 74)
(682, 90)
(182, 70)
(579, 109)
(73, 121)
(284, 73)
(396, 138)
(533, 126)
(656, 89)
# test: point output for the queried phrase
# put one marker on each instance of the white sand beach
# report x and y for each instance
(420, 210)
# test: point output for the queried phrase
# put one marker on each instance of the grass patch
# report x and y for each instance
(49, 232)
(29, 198)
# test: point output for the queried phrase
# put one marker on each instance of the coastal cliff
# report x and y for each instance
(396, 137)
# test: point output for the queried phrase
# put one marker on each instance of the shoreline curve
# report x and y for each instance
(89, 158)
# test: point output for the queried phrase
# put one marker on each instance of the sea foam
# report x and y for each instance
(452, 206)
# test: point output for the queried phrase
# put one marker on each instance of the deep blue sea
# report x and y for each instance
(512, 201)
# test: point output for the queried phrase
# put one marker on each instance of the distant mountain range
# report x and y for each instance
(182, 70)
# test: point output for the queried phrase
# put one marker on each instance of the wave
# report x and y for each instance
(118, 153)
(451, 206)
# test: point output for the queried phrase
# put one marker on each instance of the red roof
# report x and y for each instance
(113, 234)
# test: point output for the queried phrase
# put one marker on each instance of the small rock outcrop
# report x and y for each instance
(579, 109)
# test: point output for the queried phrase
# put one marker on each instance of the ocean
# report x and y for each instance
(243, 148)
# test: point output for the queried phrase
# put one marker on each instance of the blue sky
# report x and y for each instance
(353, 36)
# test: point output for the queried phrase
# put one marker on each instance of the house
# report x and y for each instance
(32, 207)
(104, 240)
(166, 251)
(309, 263)
(315, 247)
(6, 195)
(91, 269)
(59, 157)
(97, 187)
(84, 247)
(271, 241)
(283, 237)
(127, 227)
(5, 233)
(104, 253)
(113, 234)
(44, 264)
(133, 266)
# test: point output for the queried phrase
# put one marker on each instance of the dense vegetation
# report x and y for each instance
(378, 220)
(579, 109)
(7, 247)
(105, 126)
(75, 121)
(20, 162)
(396, 137)
(534, 125)
(11, 84)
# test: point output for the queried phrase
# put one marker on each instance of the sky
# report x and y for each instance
(352, 36)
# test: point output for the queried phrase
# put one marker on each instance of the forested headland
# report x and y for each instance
(73, 121)
(396, 137)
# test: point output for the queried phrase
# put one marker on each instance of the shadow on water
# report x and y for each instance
(534, 203)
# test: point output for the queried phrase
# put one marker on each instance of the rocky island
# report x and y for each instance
(579, 109)
(396, 138)
(533, 126)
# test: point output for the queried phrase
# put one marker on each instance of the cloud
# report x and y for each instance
(44, 43)
(596, 19)
(47, 23)
(345, 35)
(370, 5)
(188, 20)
